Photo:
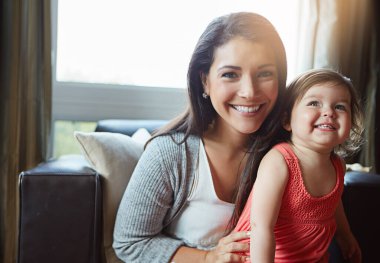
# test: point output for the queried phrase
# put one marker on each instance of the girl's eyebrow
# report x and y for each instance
(317, 96)
(310, 97)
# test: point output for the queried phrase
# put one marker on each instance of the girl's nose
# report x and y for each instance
(329, 112)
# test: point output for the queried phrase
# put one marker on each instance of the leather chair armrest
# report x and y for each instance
(73, 163)
(60, 212)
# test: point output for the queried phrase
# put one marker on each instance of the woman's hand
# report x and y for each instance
(229, 249)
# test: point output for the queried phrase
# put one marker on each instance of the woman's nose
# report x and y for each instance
(248, 89)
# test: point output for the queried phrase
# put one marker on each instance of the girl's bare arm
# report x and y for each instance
(268, 190)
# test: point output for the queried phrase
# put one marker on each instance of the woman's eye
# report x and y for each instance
(229, 75)
(265, 74)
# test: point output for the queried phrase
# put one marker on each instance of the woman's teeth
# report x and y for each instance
(246, 109)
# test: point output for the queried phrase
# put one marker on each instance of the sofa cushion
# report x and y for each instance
(114, 156)
(141, 136)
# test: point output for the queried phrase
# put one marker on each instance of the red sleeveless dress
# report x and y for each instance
(306, 224)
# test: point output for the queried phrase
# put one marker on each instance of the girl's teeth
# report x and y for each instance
(246, 109)
(325, 126)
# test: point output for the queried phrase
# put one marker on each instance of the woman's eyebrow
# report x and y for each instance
(239, 68)
(229, 67)
(267, 65)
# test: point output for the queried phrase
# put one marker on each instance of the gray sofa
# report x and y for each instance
(61, 207)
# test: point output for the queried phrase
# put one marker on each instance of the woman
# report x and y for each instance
(192, 181)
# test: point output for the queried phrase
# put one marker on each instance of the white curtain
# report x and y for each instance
(318, 23)
(342, 34)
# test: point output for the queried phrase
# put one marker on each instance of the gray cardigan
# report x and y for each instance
(158, 189)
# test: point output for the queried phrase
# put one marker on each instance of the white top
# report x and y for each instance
(203, 219)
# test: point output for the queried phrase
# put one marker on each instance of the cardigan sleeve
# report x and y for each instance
(138, 232)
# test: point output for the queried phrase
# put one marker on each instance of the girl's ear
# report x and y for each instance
(286, 122)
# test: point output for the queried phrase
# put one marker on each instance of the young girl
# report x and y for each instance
(295, 207)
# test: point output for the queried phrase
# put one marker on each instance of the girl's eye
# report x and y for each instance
(229, 75)
(340, 107)
(313, 103)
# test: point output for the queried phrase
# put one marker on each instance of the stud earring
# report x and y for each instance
(204, 95)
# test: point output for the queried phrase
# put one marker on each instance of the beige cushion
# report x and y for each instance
(141, 136)
(114, 156)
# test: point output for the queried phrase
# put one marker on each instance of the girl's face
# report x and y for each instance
(242, 85)
(321, 119)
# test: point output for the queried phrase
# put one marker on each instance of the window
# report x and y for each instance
(128, 59)
(145, 42)
(128, 53)
(64, 136)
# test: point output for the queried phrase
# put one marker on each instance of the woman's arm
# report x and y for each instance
(268, 190)
(149, 196)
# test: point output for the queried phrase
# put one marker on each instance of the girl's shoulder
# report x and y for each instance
(273, 168)
(283, 147)
(274, 160)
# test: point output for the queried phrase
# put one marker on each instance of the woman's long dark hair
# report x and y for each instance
(200, 112)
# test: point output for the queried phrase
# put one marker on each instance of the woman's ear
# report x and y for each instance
(204, 82)
(286, 122)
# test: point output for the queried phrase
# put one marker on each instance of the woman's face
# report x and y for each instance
(242, 84)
